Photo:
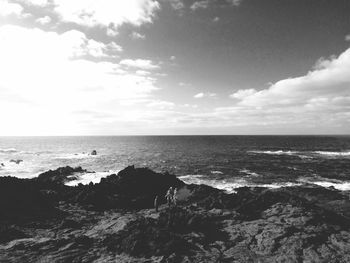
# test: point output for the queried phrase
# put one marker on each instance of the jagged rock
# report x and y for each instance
(131, 188)
(94, 152)
(144, 238)
(59, 176)
(111, 221)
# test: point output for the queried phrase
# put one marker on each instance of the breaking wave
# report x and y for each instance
(279, 152)
(230, 186)
(333, 153)
(75, 156)
(94, 177)
(8, 150)
(305, 154)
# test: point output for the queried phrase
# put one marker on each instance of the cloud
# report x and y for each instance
(330, 78)
(112, 31)
(143, 72)
(234, 2)
(143, 64)
(40, 3)
(160, 104)
(109, 14)
(243, 93)
(200, 5)
(7, 8)
(105, 12)
(204, 4)
(347, 37)
(172, 58)
(315, 101)
(216, 19)
(45, 76)
(44, 20)
(204, 95)
(136, 35)
(177, 4)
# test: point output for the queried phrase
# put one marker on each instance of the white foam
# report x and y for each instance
(216, 172)
(337, 184)
(231, 185)
(86, 178)
(190, 176)
(23, 169)
(75, 156)
(333, 153)
(250, 173)
(279, 152)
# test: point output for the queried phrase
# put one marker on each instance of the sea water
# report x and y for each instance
(224, 162)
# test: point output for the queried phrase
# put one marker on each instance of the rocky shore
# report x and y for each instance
(43, 220)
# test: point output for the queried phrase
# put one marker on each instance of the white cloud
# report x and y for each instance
(347, 37)
(172, 58)
(330, 78)
(44, 20)
(216, 19)
(160, 104)
(44, 79)
(318, 101)
(136, 35)
(109, 14)
(7, 8)
(204, 95)
(177, 4)
(144, 64)
(234, 2)
(40, 3)
(143, 72)
(203, 4)
(243, 93)
(106, 12)
(200, 5)
(112, 31)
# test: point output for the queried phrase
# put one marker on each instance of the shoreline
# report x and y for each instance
(114, 220)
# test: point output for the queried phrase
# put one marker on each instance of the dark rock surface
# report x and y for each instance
(42, 220)
(59, 176)
(22, 198)
(131, 188)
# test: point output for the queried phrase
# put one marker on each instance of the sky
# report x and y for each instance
(174, 67)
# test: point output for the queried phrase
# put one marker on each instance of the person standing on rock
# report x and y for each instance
(156, 204)
(169, 196)
(175, 197)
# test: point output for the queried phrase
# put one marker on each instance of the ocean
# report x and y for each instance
(224, 162)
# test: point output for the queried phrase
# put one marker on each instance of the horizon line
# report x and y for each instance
(174, 135)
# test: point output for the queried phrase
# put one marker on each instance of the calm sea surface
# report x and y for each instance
(224, 162)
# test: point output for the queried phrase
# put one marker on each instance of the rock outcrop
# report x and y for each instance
(59, 176)
(113, 221)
